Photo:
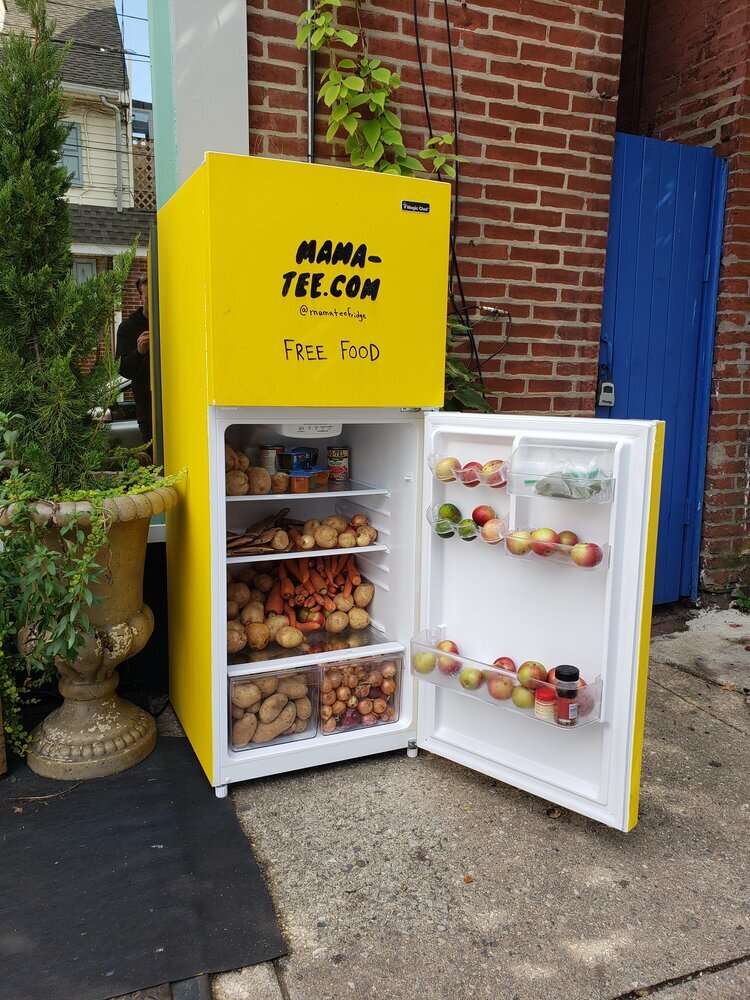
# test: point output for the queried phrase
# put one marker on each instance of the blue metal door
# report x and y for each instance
(660, 288)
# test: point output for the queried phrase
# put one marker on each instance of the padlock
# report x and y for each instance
(606, 394)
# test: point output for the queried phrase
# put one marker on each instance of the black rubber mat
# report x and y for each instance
(125, 882)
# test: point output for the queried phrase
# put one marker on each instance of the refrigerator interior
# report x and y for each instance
(385, 450)
(492, 605)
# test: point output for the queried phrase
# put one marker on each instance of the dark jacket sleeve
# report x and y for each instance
(132, 364)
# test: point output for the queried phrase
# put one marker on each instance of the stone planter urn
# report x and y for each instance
(95, 732)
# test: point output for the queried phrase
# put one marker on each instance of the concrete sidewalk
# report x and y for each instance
(395, 878)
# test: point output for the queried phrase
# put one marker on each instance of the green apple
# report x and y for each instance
(446, 468)
(467, 529)
(424, 663)
(470, 678)
(522, 697)
(450, 512)
(444, 528)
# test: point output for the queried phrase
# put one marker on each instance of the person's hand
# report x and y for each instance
(143, 342)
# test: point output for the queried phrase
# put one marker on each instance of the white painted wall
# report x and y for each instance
(98, 142)
(209, 45)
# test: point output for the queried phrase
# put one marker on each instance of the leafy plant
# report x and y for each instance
(741, 600)
(462, 389)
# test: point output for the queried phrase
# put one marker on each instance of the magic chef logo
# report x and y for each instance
(352, 283)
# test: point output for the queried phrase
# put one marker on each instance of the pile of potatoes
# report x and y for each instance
(357, 694)
(241, 478)
(268, 707)
(337, 532)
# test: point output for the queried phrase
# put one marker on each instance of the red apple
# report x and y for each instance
(492, 531)
(586, 554)
(586, 700)
(494, 473)
(447, 664)
(518, 543)
(470, 470)
(446, 468)
(500, 687)
(530, 673)
(543, 541)
(505, 663)
(522, 698)
(483, 514)
(569, 538)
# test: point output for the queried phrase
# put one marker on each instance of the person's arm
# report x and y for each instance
(132, 362)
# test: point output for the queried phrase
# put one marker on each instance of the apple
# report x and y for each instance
(493, 473)
(424, 663)
(567, 538)
(586, 554)
(446, 468)
(505, 663)
(470, 678)
(522, 697)
(492, 531)
(500, 687)
(543, 541)
(467, 529)
(473, 469)
(586, 700)
(530, 673)
(450, 512)
(518, 543)
(447, 664)
(483, 514)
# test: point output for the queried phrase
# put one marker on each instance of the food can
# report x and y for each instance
(268, 460)
(338, 463)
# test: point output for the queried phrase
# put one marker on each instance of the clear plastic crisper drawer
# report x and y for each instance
(272, 708)
(521, 688)
(359, 694)
(562, 472)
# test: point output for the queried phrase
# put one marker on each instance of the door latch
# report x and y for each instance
(605, 395)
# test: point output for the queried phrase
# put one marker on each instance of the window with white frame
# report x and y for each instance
(72, 155)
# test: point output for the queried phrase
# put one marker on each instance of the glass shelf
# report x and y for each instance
(306, 554)
(449, 470)
(495, 686)
(348, 488)
(561, 472)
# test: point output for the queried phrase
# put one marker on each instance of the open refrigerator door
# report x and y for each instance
(539, 540)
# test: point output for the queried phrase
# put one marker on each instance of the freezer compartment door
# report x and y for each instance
(496, 592)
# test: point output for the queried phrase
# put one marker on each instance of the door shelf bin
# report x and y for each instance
(284, 704)
(475, 679)
(347, 688)
(562, 473)
(492, 532)
(446, 472)
(590, 559)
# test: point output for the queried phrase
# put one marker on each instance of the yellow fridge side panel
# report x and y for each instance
(645, 637)
(183, 319)
(328, 285)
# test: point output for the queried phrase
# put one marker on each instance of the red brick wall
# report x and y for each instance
(537, 84)
(695, 90)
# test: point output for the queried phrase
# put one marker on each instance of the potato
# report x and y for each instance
(337, 621)
(237, 624)
(304, 708)
(253, 612)
(289, 637)
(237, 712)
(269, 731)
(347, 540)
(358, 618)
(263, 582)
(247, 574)
(279, 482)
(236, 483)
(343, 603)
(239, 592)
(363, 537)
(293, 687)
(363, 594)
(259, 480)
(236, 640)
(267, 685)
(310, 526)
(244, 729)
(307, 542)
(372, 533)
(230, 578)
(242, 462)
(257, 597)
(325, 536)
(271, 707)
(230, 458)
(258, 635)
(275, 622)
(336, 521)
(245, 694)
(233, 609)
(280, 541)
(300, 726)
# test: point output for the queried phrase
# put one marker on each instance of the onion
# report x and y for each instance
(388, 686)
(365, 706)
(326, 686)
(375, 678)
(379, 706)
(343, 693)
(369, 720)
(328, 698)
(338, 707)
(329, 725)
(389, 669)
(325, 712)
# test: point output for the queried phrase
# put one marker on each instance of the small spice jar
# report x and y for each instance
(566, 683)
(299, 481)
(544, 703)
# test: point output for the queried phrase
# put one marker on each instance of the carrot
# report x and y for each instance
(311, 602)
(318, 582)
(294, 570)
(308, 626)
(286, 586)
(304, 570)
(338, 580)
(328, 604)
(352, 564)
(289, 612)
(274, 603)
(295, 536)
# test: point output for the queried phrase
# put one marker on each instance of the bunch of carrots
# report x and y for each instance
(312, 584)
